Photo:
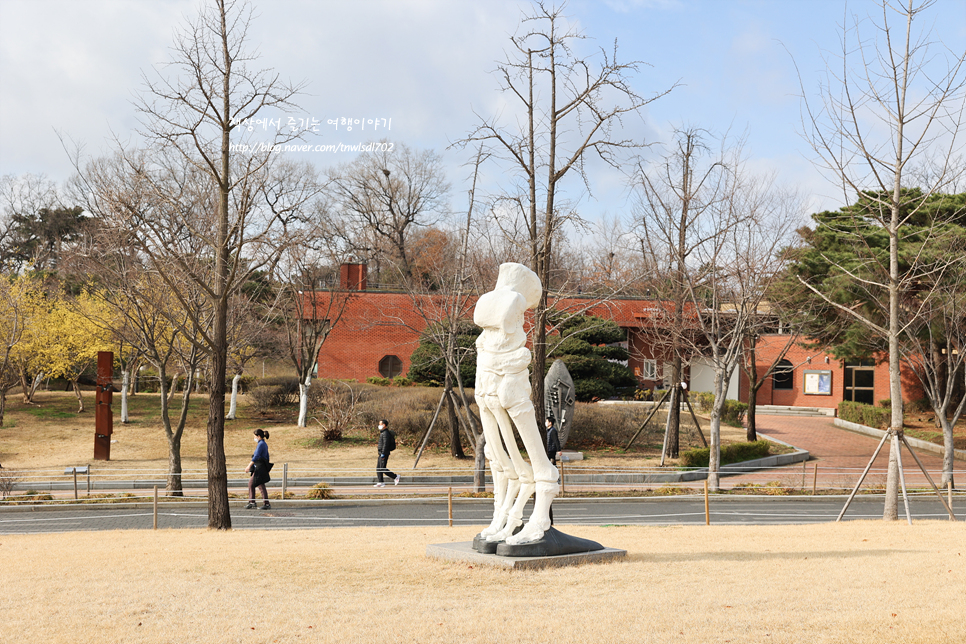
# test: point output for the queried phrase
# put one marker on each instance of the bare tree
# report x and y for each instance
(210, 223)
(934, 348)
(569, 110)
(729, 278)
(381, 197)
(677, 199)
(889, 102)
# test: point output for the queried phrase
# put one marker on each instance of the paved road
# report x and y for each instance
(416, 512)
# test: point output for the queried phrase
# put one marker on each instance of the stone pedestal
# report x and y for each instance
(463, 551)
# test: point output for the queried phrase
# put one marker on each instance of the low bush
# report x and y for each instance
(274, 392)
(733, 412)
(320, 491)
(734, 453)
(705, 400)
(867, 415)
(409, 411)
(597, 426)
(772, 488)
(334, 404)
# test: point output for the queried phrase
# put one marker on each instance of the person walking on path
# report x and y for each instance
(258, 469)
(553, 448)
(387, 443)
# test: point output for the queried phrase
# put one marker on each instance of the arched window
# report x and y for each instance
(783, 377)
(390, 367)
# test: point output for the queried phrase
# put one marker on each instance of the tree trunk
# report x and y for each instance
(175, 485)
(174, 386)
(751, 433)
(233, 407)
(219, 515)
(714, 458)
(455, 446)
(77, 392)
(125, 383)
(33, 388)
(948, 454)
(674, 412)
(479, 465)
(24, 386)
(304, 400)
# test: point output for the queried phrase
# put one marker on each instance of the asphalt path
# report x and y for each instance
(730, 510)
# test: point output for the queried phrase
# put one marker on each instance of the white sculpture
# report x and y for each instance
(503, 396)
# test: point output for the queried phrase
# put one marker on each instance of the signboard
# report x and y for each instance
(818, 382)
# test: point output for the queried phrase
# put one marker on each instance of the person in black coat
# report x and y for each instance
(387, 443)
(258, 469)
(553, 448)
(553, 441)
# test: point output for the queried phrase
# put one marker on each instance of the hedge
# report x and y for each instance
(875, 417)
(732, 413)
(734, 453)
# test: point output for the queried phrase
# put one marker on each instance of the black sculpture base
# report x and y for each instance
(485, 547)
(552, 543)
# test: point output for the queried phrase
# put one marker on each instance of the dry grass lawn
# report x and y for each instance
(852, 582)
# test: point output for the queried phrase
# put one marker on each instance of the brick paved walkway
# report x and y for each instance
(841, 455)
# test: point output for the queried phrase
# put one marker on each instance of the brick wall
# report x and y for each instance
(769, 347)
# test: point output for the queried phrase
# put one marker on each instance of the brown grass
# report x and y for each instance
(854, 582)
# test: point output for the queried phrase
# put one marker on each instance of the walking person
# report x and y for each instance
(387, 443)
(553, 448)
(258, 469)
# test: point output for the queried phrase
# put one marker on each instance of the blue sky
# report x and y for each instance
(73, 67)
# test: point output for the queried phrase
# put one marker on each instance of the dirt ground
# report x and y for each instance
(868, 582)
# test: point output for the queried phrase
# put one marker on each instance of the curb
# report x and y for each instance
(915, 442)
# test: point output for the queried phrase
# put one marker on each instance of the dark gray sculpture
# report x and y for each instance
(558, 399)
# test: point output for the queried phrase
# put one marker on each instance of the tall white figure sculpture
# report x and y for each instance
(503, 396)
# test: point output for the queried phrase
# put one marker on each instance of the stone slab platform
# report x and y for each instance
(463, 551)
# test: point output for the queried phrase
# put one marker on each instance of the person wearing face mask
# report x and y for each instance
(387, 443)
(258, 469)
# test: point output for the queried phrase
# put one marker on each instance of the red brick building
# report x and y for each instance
(379, 331)
(815, 379)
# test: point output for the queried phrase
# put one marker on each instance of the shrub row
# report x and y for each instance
(734, 453)
(733, 412)
(863, 414)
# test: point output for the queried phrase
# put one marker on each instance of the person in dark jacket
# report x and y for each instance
(553, 441)
(258, 469)
(387, 443)
(553, 448)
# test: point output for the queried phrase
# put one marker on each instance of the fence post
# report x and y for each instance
(450, 504)
(815, 479)
(284, 479)
(74, 469)
(155, 507)
(707, 506)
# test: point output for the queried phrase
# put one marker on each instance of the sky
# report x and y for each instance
(69, 71)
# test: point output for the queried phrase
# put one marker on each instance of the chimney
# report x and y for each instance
(352, 277)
